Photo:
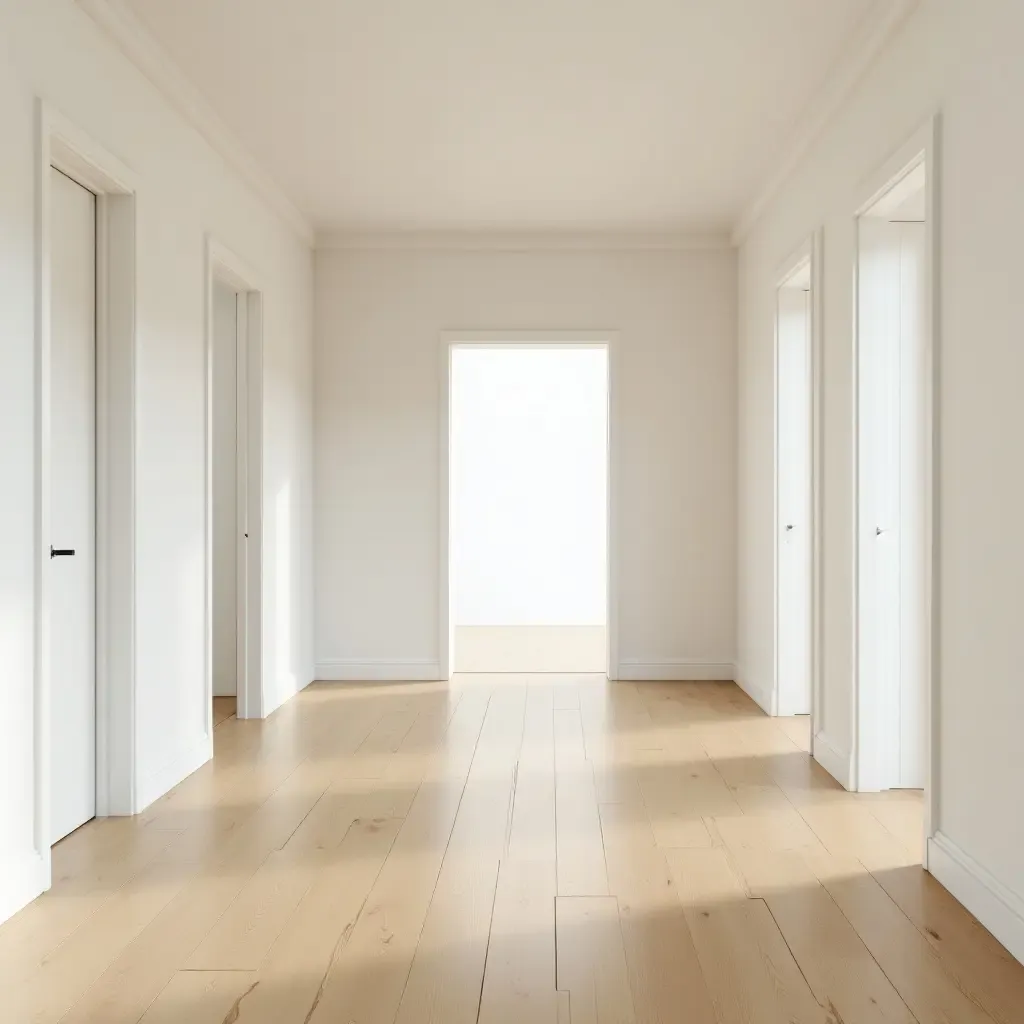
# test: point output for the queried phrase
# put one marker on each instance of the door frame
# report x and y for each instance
(63, 145)
(450, 340)
(810, 252)
(920, 149)
(225, 266)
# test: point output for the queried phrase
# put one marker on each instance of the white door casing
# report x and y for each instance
(913, 738)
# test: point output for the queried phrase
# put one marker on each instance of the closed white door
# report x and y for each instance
(72, 578)
(794, 502)
(879, 465)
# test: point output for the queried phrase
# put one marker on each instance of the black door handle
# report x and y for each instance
(58, 552)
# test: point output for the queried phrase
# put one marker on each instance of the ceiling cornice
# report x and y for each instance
(145, 52)
(879, 26)
(521, 241)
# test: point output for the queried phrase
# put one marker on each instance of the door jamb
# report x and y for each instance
(61, 144)
(809, 252)
(609, 341)
(223, 265)
(922, 147)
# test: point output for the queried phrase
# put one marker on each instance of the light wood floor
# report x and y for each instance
(527, 850)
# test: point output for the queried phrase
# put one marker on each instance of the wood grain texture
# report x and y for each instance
(591, 964)
(750, 971)
(500, 850)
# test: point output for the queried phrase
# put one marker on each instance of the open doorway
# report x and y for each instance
(894, 498)
(234, 506)
(794, 514)
(528, 501)
(228, 642)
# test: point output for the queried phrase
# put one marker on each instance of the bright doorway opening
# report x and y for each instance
(528, 504)
(894, 481)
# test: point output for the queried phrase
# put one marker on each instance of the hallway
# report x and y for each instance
(505, 848)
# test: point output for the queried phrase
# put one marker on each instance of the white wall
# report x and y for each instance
(962, 59)
(225, 485)
(529, 493)
(50, 48)
(379, 318)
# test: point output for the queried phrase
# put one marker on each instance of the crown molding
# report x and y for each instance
(131, 37)
(880, 24)
(521, 241)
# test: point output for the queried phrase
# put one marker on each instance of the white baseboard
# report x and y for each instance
(832, 759)
(22, 878)
(165, 779)
(287, 687)
(758, 694)
(998, 908)
(674, 670)
(377, 670)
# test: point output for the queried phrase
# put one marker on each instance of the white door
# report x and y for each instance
(72, 580)
(794, 502)
(880, 607)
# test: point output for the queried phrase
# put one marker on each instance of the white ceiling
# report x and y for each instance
(510, 114)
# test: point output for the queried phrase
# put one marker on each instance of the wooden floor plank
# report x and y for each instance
(504, 849)
(223, 709)
(591, 964)
(581, 867)
(664, 972)
(200, 997)
(365, 981)
(840, 970)
(750, 972)
(519, 982)
(294, 970)
(242, 937)
(904, 954)
(979, 965)
(446, 977)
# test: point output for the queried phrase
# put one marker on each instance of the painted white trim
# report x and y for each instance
(163, 780)
(389, 670)
(921, 147)
(222, 264)
(61, 144)
(997, 907)
(760, 695)
(603, 339)
(521, 241)
(832, 759)
(675, 670)
(134, 40)
(879, 26)
(22, 879)
(817, 476)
